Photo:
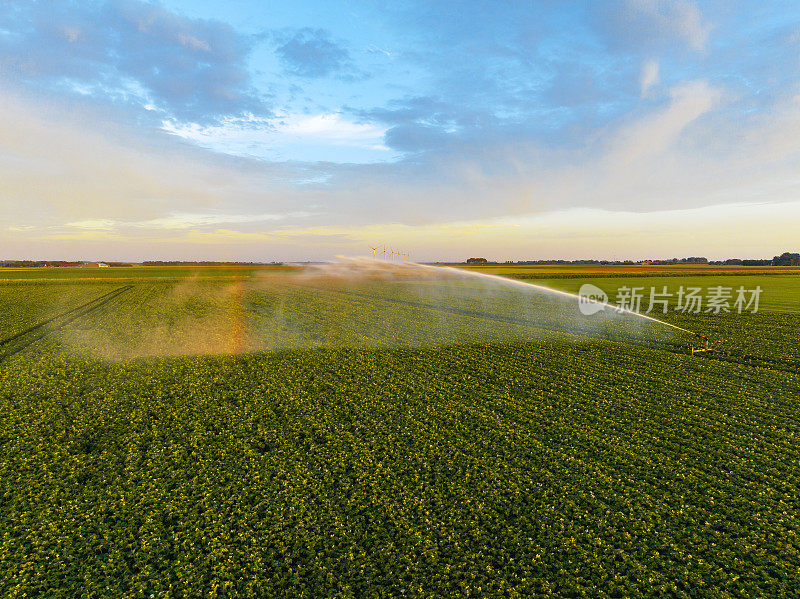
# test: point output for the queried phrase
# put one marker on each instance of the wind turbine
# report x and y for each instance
(373, 250)
(384, 251)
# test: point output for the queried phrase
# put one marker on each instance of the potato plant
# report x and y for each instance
(513, 470)
(465, 460)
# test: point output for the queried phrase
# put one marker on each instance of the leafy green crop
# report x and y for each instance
(517, 469)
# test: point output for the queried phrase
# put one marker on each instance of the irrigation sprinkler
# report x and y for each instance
(706, 347)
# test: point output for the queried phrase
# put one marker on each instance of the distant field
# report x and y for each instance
(235, 432)
(513, 270)
(780, 293)
(128, 273)
(781, 285)
(590, 270)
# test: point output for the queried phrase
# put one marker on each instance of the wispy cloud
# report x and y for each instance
(100, 224)
(330, 126)
(312, 53)
(192, 67)
(649, 77)
(651, 24)
(289, 136)
(178, 221)
(191, 221)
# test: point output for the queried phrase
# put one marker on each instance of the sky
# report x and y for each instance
(258, 131)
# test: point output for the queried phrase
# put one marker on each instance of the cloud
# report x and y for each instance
(653, 24)
(60, 164)
(98, 224)
(576, 86)
(327, 136)
(466, 64)
(716, 232)
(137, 52)
(658, 133)
(330, 126)
(649, 77)
(312, 53)
(408, 110)
(416, 124)
(506, 133)
(655, 159)
(414, 137)
(177, 221)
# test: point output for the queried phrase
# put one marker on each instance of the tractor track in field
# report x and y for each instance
(23, 339)
(789, 366)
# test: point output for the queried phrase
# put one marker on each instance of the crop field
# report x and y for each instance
(262, 432)
(588, 271)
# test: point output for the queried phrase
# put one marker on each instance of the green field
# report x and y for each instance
(247, 432)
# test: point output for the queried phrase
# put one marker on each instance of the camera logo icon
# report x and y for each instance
(591, 299)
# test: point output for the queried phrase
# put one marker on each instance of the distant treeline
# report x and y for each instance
(58, 263)
(785, 259)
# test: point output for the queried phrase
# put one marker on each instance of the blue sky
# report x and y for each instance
(301, 130)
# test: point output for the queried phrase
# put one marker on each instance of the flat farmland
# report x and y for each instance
(236, 432)
(586, 271)
(780, 293)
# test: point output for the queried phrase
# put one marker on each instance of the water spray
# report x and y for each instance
(705, 348)
(364, 302)
(575, 296)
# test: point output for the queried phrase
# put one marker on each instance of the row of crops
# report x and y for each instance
(212, 316)
(402, 467)
(516, 470)
(227, 316)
